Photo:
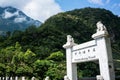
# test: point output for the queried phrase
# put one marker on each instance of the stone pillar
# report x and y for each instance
(104, 52)
(33, 78)
(16, 78)
(99, 77)
(23, 78)
(3, 78)
(11, 78)
(7, 78)
(47, 78)
(71, 67)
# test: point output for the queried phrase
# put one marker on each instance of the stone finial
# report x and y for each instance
(23, 78)
(70, 42)
(99, 77)
(100, 26)
(11, 78)
(66, 78)
(70, 39)
(3, 78)
(16, 78)
(101, 30)
(33, 78)
(47, 78)
(6, 78)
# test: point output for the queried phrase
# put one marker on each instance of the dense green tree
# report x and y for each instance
(56, 56)
(2, 69)
(40, 68)
(6, 54)
(24, 70)
(14, 61)
(29, 56)
(56, 71)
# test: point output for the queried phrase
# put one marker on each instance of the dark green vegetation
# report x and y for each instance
(38, 51)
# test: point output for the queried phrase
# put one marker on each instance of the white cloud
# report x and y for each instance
(15, 3)
(7, 14)
(115, 6)
(96, 2)
(119, 4)
(42, 9)
(36, 9)
(19, 19)
(99, 2)
(107, 1)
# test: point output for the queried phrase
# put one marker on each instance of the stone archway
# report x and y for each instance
(97, 49)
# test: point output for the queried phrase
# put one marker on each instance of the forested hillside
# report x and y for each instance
(39, 52)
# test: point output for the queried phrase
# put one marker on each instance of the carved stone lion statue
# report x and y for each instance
(69, 39)
(100, 27)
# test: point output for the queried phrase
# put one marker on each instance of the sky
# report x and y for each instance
(42, 9)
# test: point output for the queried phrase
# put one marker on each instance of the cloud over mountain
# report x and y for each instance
(36, 9)
(13, 19)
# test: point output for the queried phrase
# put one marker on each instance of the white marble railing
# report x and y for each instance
(15, 78)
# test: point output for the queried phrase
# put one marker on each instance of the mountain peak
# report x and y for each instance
(10, 9)
(14, 19)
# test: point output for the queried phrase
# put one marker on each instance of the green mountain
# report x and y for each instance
(80, 23)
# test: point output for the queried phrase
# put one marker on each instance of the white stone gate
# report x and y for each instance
(97, 49)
